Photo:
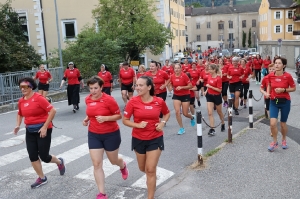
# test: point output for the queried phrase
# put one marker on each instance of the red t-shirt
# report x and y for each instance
(35, 110)
(204, 75)
(106, 105)
(224, 70)
(283, 81)
(267, 62)
(127, 75)
(200, 67)
(43, 77)
(168, 69)
(264, 83)
(107, 78)
(192, 93)
(247, 72)
(138, 75)
(214, 82)
(148, 112)
(72, 76)
(249, 64)
(257, 64)
(181, 80)
(186, 68)
(236, 73)
(195, 74)
(159, 79)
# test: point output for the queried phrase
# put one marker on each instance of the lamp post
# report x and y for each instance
(254, 39)
(58, 38)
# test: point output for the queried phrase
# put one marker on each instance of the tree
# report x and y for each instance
(89, 51)
(249, 39)
(244, 39)
(194, 4)
(133, 25)
(15, 53)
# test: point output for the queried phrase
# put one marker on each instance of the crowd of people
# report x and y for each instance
(186, 83)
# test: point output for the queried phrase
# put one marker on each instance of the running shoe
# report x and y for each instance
(39, 182)
(77, 107)
(236, 112)
(211, 132)
(283, 144)
(199, 103)
(273, 146)
(74, 110)
(245, 106)
(193, 122)
(101, 196)
(241, 103)
(170, 94)
(226, 104)
(61, 167)
(222, 127)
(124, 172)
(181, 131)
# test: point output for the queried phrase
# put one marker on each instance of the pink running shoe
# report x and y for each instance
(283, 144)
(101, 196)
(124, 172)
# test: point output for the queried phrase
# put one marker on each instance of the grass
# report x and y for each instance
(212, 152)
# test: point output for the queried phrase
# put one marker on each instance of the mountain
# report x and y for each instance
(207, 3)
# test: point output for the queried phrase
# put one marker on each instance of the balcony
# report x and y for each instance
(296, 18)
(296, 32)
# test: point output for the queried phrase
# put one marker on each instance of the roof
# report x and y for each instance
(226, 9)
(280, 3)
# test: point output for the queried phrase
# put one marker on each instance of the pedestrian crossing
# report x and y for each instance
(16, 156)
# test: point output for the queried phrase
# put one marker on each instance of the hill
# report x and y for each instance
(207, 3)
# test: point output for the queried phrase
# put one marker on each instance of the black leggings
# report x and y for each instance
(73, 94)
(38, 147)
(245, 90)
(164, 97)
(224, 88)
(257, 75)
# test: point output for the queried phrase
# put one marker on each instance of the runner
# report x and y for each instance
(106, 76)
(181, 98)
(245, 81)
(280, 84)
(44, 78)
(265, 66)
(203, 77)
(147, 130)
(214, 98)
(225, 81)
(257, 64)
(74, 80)
(38, 114)
(103, 132)
(186, 66)
(195, 79)
(169, 69)
(192, 95)
(127, 79)
(141, 71)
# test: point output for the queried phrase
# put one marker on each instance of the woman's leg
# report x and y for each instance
(192, 109)
(40, 92)
(177, 106)
(185, 109)
(210, 108)
(45, 93)
(124, 96)
(115, 159)
(274, 129)
(130, 95)
(236, 99)
(220, 113)
(197, 97)
(259, 75)
(97, 159)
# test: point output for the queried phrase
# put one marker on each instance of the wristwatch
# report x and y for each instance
(163, 121)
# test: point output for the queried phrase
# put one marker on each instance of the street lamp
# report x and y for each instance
(254, 39)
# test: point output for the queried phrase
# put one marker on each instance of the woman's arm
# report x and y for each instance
(110, 118)
(129, 123)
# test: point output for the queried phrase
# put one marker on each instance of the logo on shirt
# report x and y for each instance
(148, 107)
(93, 104)
(26, 104)
(177, 80)
(278, 80)
(125, 113)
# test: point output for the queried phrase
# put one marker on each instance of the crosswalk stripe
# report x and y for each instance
(22, 129)
(20, 154)
(161, 176)
(107, 167)
(12, 141)
(68, 156)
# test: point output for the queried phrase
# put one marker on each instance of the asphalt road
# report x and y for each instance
(69, 141)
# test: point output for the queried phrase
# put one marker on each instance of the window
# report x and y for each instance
(198, 38)
(221, 37)
(209, 37)
(221, 26)
(69, 29)
(230, 36)
(186, 39)
(253, 23)
(23, 19)
(277, 29)
(289, 14)
(186, 28)
(277, 15)
(208, 25)
(289, 28)
(244, 24)
(177, 33)
(230, 24)
(197, 25)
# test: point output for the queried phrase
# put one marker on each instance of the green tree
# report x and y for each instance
(15, 53)
(133, 25)
(194, 4)
(249, 39)
(244, 39)
(89, 51)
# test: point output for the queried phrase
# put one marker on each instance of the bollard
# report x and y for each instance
(230, 105)
(250, 110)
(199, 137)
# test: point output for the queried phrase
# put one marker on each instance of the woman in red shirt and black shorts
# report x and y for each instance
(103, 134)
(106, 76)
(147, 132)
(127, 79)
(44, 78)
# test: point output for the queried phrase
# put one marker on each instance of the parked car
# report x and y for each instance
(243, 53)
(253, 53)
(297, 67)
(190, 60)
(225, 52)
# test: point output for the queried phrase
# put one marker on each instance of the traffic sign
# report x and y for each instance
(279, 42)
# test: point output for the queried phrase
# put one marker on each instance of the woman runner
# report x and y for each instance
(44, 78)
(106, 76)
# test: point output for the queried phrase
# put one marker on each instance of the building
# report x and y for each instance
(221, 26)
(279, 29)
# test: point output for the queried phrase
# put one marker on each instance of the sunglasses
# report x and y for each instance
(24, 86)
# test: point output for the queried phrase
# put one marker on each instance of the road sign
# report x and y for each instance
(134, 63)
(279, 42)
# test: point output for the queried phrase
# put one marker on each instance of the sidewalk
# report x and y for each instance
(243, 169)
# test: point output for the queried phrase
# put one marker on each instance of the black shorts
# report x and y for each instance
(109, 141)
(43, 87)
(267, 101)
(216, 99)
(237, 86)
(127, 87)
(224, 88)
(182, 98)
(106, 90)
(199, 86)
(142, 146)
(192, 101)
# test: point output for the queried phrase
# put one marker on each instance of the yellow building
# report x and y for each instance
(279, 29)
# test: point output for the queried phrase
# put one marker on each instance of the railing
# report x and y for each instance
(296, 32)
(296, 18)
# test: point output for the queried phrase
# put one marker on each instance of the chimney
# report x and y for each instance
(231, 3)
(213, 3)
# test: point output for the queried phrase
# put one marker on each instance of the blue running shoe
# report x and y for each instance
(193, 122)
(273, 146)
(181, 131)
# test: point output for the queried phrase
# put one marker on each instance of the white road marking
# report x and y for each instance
(20, 154)
(161, 176)
(12, 141)
(107, 167)
(9, 112)
(22, 129)
(68, 156)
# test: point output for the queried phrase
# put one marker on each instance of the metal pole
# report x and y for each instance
(199, 137)
(250, 110)
(58, 38)
(230, 104)
(11, 91)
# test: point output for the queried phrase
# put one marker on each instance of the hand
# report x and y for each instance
(16, 130)
(111, 89)
(178, 88)
(47, 82)
(142, 125)
(267, 95)
(248, 79)
(197, 83)
(202, 80)
(279, 90)
(159, 126)
(208, 86)
(132, 87)
(100, 118)
(162, 87)
(43, 132)
(205, 93)
(85, 122)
